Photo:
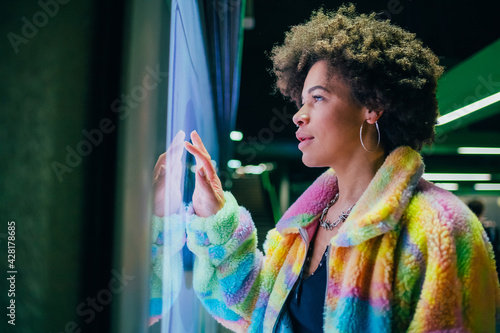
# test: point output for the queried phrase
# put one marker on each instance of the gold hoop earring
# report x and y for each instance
(361, 137)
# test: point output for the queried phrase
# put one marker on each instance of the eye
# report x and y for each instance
(318, 98)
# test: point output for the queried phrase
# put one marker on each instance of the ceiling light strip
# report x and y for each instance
(448, 186)
(457, 176)
(468, 109)
(487, 187)
(478, 150)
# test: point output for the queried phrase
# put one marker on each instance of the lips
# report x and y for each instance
(304, 139)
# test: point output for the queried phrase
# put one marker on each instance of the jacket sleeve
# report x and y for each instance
(448, 279)
(227, 265)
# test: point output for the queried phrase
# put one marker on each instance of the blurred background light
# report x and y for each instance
(236, 136)
(234, 164)
(252, 169)
(448, 186)
(456, 176)
(478, 150)
(487, 187)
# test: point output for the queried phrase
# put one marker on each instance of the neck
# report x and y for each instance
(354, 174)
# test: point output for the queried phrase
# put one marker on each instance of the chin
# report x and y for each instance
(311, 162)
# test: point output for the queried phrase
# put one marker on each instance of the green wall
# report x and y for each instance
(47, 97)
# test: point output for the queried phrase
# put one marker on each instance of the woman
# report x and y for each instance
(370, 246)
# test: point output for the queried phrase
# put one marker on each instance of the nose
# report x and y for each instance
(301, 117)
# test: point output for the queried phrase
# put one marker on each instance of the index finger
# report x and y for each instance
(195, 137)
(201, 158)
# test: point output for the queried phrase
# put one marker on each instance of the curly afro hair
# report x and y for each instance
(386, 67)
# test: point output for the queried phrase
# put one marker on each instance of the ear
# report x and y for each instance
(372, 116)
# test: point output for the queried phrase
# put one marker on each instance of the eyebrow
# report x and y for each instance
(314, 88)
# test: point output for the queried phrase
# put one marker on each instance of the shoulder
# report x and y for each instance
(438, 217)
(430, 202)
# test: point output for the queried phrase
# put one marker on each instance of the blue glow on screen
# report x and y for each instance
(190, 107)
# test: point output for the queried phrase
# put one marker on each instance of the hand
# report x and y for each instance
(167, 176)
(208, 196)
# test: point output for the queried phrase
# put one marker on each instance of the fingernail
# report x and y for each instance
(162, 170)
(202, 172)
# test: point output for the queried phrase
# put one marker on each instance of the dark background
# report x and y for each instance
(454, 30)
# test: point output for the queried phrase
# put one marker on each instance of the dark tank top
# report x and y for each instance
(307, 299)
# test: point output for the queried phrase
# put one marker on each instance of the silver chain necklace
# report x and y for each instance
(330, 225)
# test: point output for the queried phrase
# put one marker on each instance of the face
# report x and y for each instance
(329, 119)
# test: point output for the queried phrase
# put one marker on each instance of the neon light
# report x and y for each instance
(448, 186)
(487, 187)
(478, 150)
(456, 176)
(468, 109)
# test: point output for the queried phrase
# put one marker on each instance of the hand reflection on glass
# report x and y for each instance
(167, 178)
(167, 234)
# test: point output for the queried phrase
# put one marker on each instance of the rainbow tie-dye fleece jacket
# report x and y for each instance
(411, 257)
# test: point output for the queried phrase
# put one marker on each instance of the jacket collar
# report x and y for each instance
(377, 211)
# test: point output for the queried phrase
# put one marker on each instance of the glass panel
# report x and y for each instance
(174, 306)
